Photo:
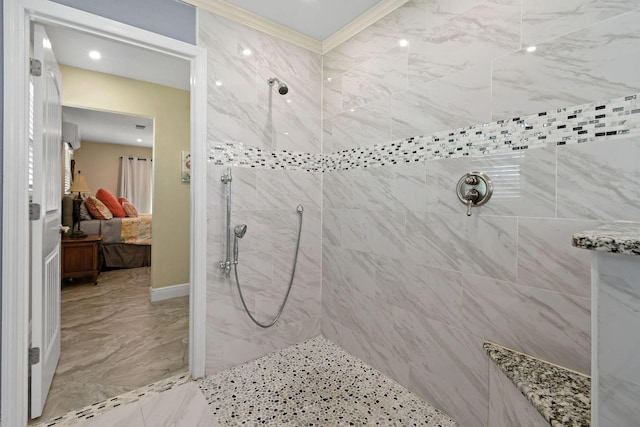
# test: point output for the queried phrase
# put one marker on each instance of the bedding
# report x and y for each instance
(126, 242)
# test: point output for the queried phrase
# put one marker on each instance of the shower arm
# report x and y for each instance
(225, 265)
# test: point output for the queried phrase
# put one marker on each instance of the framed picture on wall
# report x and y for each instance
(186, 166)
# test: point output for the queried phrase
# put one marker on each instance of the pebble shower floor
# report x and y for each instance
(314, 383)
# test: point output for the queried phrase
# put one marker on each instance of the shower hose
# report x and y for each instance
(299, 209)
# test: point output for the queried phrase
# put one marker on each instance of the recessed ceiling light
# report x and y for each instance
(139, 140)
(531, 49)
(95, 55)
(403, 42)
(218, 83)
(246, 52)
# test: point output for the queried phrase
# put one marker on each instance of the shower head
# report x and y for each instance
(282, 87)
(240, 230)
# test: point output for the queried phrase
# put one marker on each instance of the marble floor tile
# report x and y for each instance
(115, 340)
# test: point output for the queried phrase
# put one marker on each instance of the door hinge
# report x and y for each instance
(35, 67)
(34, 355)
(34, 211)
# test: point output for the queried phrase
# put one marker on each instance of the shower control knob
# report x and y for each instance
(471, 180)
(474, 189)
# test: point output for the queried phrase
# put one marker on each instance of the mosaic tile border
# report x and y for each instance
(238, 154)
(609, 120)
(98, 408)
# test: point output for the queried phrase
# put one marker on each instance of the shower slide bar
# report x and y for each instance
(239, 232)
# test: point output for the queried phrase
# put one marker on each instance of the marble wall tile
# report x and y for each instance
(394, 188)
(618, 402)
(481, 245)
(331, 227)
(337, 189)
(461, 35)
(524, 183)
(545, 324)
(599, 181)
(282, 189)
(433, 293)
(371, 332)
(548, 260)
(618, 317)
(375, 79)
(364, 126)
(354, 270)
(406, 22)
(593, 63)
(507, 406)
(547, 19)
(447, 368)
(378, 232)
(449, 102)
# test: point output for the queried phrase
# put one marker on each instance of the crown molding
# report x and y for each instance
(259, 23)
(368, 18)
(237, 14)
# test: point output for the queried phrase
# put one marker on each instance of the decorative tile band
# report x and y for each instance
(614, 119)
(238, 154)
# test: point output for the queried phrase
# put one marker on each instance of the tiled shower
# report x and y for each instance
(372, 139)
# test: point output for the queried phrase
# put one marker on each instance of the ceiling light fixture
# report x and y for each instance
(531, 49)
(95, 55)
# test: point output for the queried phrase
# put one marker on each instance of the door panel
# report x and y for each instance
(45, 235)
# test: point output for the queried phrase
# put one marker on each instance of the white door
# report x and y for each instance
(45, 235)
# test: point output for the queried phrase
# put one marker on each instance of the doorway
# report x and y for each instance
(15, 301)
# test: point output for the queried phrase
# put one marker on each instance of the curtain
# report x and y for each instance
(136, 182)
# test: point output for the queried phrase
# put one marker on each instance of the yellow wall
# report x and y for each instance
(170, 109)
(100, 163)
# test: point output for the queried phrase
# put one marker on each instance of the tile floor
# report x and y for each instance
(314, 383)
(115, 340)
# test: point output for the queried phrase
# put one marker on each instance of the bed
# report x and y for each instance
(126, 242)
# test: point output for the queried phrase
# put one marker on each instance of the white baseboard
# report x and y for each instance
(167, 292)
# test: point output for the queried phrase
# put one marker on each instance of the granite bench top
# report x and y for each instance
(620, 237)
(562, 396)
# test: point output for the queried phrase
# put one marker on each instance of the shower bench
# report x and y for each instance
(553, 395)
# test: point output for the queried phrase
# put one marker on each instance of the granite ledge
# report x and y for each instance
(560, 395)
(621, 237)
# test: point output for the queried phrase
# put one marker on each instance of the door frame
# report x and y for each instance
(15, 202)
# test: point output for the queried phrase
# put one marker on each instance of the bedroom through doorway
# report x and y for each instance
(132, 327)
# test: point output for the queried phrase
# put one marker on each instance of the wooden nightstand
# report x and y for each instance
(81, 257)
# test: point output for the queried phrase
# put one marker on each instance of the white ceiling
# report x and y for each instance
(318, 19)
(111, 128)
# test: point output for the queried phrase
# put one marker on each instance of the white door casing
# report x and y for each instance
(15, 260)
(45, 234)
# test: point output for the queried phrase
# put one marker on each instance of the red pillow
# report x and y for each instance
(111, 202)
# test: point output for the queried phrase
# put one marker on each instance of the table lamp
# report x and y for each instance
(79, 185)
